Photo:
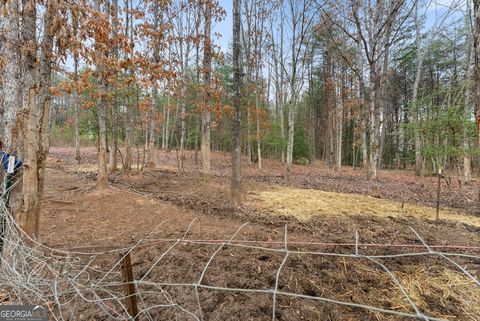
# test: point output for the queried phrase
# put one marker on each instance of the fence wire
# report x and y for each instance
(77, 285)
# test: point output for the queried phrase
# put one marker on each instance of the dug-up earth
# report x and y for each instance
(330, 218)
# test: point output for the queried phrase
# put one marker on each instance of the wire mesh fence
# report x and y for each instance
(154, 279)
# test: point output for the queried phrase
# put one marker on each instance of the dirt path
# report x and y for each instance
(75, 215)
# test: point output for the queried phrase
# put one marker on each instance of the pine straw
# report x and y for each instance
(306, 203)
(438, 290)
(4, 298)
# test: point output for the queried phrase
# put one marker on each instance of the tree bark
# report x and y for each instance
(339, 121)
(75, 95)
(416, 84)
(467, 160)
(312, 113)
(154, 105)
(291, 129)
(129, 117)
(113, 136)
(31, 141)
(236, 181)
(282, 92)
(207, 66)
(476, 75)
(113, 12)
(12, 101)
(152, 127)
(44, 107)
(102, 174)
(374, 128)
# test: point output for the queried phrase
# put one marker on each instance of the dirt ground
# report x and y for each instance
(317, 205)
(397, 185)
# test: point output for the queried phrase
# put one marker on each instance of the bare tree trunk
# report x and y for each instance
(383, 99)
(374, 127)
(164, 128)
(330, 115)
(102, 174)
(128, 136)
(416, 111)
(257, 116)
(197, 134)
(467, 160)
(236, 183)
(184, 67)
(152, 127)
(312, 117)
(197, 71)
(363, 116)
(12, 102)
(476, 74)
(166, 146)
(207, 66)
(75, 96)
(246, 36)
(282, 92)
(44, 106)
(174, 126)
(339, 121)
(154, 105)
(113, 137)
(249, 122)
(28, 219)
(129, 112)
(363, 129)
(259, 84)
(113, 11)
(291, 129)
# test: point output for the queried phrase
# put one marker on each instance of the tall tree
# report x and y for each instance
(30, 132)
(113, 12)
(300, 19)
(154, 104)
(207, 68)
(236, 184)
(76, 124)
(27, 79)
(467, 160)
(101, 55)
(476, 75)
(374, 34)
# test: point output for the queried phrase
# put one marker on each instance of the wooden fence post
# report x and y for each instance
(129, 287)
(437, 214)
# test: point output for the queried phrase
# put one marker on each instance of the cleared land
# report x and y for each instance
(77, 217)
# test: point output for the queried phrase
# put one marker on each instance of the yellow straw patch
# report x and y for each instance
(306, 203)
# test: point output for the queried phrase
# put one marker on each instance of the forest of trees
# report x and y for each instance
(369, 84)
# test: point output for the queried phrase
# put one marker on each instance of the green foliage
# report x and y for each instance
(63, 134)
(272, 141)
(300, 146)
(444, 131)
(88, 124)
(302, 161)
(273, 144)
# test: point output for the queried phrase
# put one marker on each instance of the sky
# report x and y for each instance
(225, 27)
(434, 11)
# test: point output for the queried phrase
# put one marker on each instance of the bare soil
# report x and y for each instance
(398, 185)
(77, 217)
